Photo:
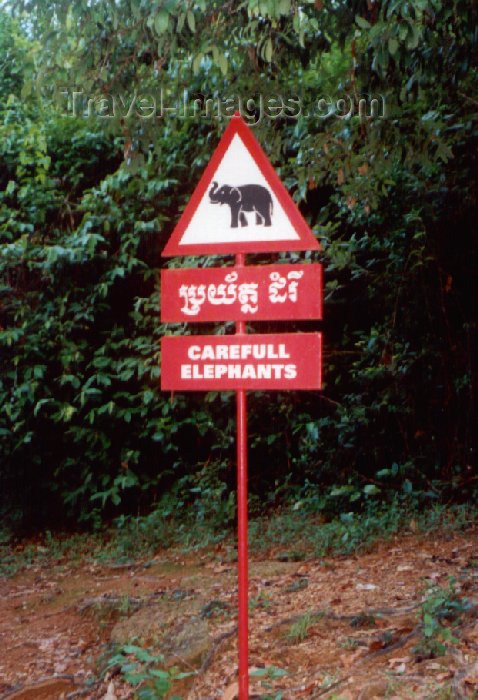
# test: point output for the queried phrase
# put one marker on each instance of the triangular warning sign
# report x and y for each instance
(240, 205)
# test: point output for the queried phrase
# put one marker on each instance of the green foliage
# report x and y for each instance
(262, 601)
(440, 609)
(143, 670)
(268, 674)
(299, 630)
(351, 531)
(50, 548)
(88, 202)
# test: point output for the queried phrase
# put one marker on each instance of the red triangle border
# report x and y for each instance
(306, 240)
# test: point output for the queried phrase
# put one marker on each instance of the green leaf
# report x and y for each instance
(191, 21)
(223, 64)
(181, 20)
(197, 63)
(414, 36)
(40, 403)
(284, 7)
(362, 22)
(429, 624)
(69, 19)
(161, 22)
(392, 46)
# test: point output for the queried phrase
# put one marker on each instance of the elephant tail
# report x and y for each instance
(271, 208)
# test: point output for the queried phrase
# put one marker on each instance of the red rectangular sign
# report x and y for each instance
(279, 361)
(261, 293)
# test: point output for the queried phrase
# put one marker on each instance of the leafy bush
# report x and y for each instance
(440, 609)
(86, 205)
(139, 668)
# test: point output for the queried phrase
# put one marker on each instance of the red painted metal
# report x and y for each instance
(242, 527)
(305, 240)
(242, 362)
(267, 362)
(252, 293)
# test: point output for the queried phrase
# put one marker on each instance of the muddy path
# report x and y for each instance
(339, 627)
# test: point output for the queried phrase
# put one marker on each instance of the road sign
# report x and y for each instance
(240, 205)
(281, 361)
(252, 293)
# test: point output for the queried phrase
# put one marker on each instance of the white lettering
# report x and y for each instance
(208, 353)
(264, 371)
(208, 372)
(238, 371)
(234, 372)
(283, 354)
(185, 371)
(194, 352)
(248, 372)
(221, 352)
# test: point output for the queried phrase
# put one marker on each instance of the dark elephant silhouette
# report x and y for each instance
(244, 198)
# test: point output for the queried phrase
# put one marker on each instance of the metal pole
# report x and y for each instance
(242, 554)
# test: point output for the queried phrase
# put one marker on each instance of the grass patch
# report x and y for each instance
(48, 548)
(299, 630)
(294, 533)
(352, 532)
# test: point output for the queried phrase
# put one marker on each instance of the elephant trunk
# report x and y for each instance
(212, 191)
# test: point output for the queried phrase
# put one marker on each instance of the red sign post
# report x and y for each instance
(240, 206)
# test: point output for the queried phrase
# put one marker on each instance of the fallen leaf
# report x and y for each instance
(220, 568)
(347, 661)
(306, 691)
(443, 676)
(110, 693)
(231, 692)
(398, 661)
(471, 635)
(366, 586)
(471, 677)
(376, 644)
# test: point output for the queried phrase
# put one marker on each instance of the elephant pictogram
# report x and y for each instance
(244, 198)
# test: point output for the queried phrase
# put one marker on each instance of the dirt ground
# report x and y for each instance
(338, 627)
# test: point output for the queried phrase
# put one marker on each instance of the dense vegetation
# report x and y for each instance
(87, 202)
